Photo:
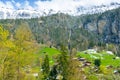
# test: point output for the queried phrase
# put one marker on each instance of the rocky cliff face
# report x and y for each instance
(106, 24)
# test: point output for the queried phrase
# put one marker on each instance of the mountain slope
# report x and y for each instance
(80, 32)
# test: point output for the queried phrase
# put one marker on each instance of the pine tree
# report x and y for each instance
(53, 72)
(46, 68)
(68, 67)
(63, 63)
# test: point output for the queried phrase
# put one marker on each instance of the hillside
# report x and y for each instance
(91, 30)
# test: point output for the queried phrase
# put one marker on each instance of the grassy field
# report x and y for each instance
(106, 59)
(51, 52)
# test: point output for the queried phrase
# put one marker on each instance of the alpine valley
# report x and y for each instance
(83, 44)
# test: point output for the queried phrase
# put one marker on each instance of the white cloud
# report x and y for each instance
(70, 4)
(57, 5)
(64, 5)
(2, 4)
(28, 6)
(7, 4)
(97, 2)
(18, 5)
(24, 5)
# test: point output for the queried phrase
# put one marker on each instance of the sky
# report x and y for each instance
(57, 5)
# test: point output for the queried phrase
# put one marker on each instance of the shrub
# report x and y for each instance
(92, 77)
(97, 62)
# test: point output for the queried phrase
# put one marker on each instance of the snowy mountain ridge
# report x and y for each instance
(7, 13)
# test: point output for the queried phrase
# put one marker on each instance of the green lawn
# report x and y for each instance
(106, 59)
(51, 52)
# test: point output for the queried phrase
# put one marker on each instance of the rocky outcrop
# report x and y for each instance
(106, 24)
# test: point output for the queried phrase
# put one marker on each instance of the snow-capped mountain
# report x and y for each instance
(97, 9)
(7, 13)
